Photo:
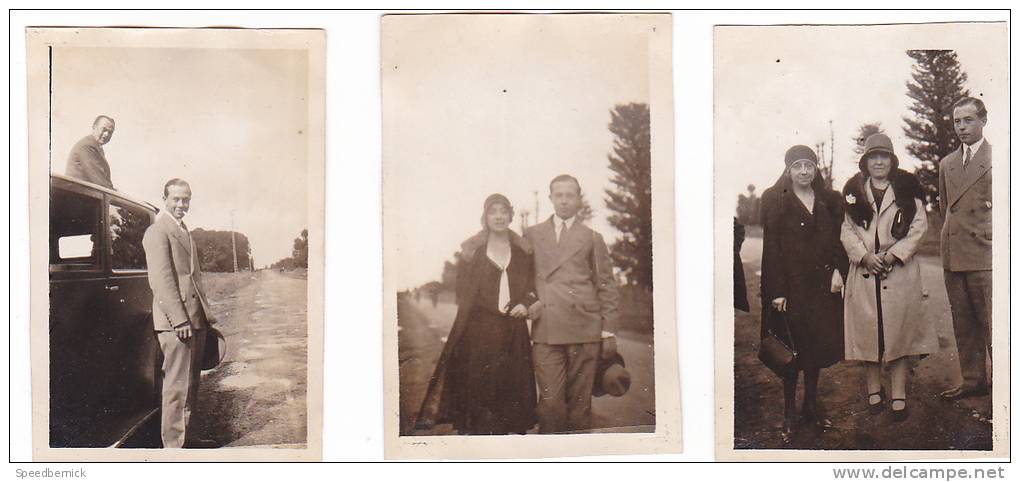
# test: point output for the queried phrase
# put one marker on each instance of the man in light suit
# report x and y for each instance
(577, 295)
(965, 199)
(87, 160)
(180, 314)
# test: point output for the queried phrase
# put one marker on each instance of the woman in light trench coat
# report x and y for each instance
(884, 320)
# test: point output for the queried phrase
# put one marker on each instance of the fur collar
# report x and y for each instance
(480, 239)
(905, 186)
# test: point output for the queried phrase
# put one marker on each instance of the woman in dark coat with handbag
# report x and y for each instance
(484, 382)
(803, 267)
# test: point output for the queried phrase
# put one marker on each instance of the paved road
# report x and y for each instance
(932, 425)
(423, 331)
(257, 396)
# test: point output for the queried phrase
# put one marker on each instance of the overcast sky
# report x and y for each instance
(483, 104)
(232, 122)
(780, 86)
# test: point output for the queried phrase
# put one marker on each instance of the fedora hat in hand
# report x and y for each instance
(611, 376)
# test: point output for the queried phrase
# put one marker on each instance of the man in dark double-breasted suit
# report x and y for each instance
(576, 295)
(965, 199)
(180, 314)
(87, 160)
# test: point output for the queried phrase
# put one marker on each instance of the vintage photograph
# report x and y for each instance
(853, 169)
(527, 179)
(176, 184)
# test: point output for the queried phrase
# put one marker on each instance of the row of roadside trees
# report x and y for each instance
(299, 254)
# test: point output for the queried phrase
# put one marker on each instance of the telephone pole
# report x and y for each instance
(537, 215)
(233, 240)
(832, 143)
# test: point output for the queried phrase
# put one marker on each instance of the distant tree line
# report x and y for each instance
(299, 254)
(749, 207)
(215, 250)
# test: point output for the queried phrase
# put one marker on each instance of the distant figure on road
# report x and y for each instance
(884, 320)
(180, 314)
(577, 296)
(802, 270)
(483, 383)
(965, 200)
(434, 296)
(87, 160)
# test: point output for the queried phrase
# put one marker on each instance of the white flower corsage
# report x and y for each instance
(850, 199)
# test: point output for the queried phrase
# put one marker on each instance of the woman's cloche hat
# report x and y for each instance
(800, 152)
(874, 144)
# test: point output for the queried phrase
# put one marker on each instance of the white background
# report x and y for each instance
(353, 347)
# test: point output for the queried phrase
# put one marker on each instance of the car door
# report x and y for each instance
(77, 310)
(129, 306)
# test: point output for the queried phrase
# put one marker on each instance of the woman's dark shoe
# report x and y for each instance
(876, 408)
(789, 426)
(815, 415)
(823, 422)
(788, 430)
(901, 414)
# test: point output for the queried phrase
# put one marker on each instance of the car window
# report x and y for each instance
(127, 227)
(74, 230)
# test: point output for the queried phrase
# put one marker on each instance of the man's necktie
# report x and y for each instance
(559, 231)
(966, 157)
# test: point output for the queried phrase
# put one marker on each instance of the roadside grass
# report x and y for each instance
(930, 242)
(223, 285)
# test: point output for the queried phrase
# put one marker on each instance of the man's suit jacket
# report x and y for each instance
(574, 282)
(87, 162)
(965, 199)
(174, 276)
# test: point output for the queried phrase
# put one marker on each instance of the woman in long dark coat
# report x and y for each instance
(484, 382)
(803, 267)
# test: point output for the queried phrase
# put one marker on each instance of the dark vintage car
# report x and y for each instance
(104, 357)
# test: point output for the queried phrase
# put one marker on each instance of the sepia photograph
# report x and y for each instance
(853, 174)
(527, 182)
(176, 234)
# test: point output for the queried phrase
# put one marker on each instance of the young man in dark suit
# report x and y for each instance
(965, 199)
(577, 295)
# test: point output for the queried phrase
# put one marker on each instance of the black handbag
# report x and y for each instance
(774, 353)
(901, 224)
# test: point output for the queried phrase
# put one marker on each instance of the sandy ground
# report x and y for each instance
(257, 396)
(423, 331)
(932, 424)
(258, 393)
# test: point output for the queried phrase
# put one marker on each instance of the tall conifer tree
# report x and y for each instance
(936, 84)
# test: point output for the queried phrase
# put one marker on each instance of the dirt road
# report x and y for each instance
(932, 424)
(257, 396)
(423, 330)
